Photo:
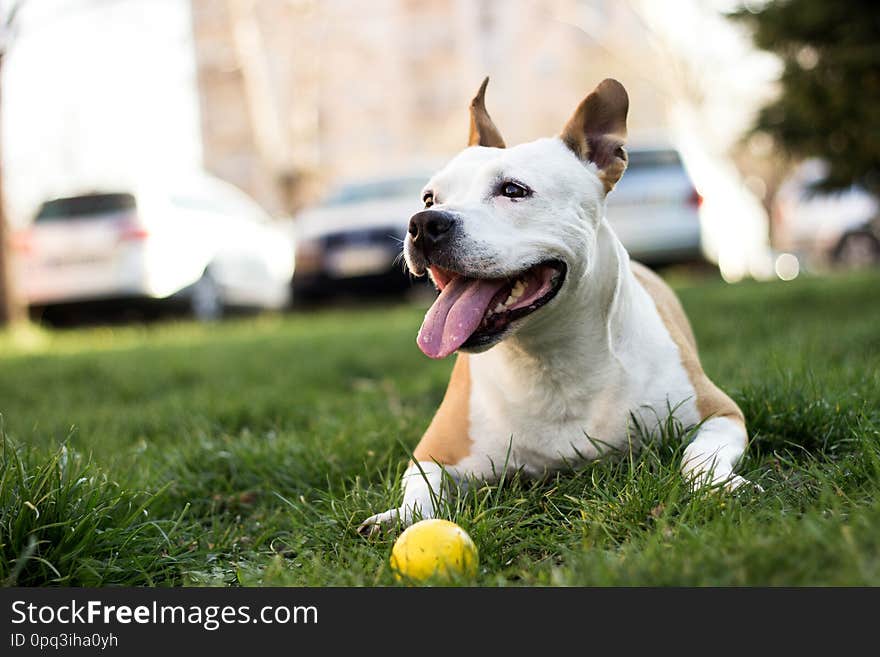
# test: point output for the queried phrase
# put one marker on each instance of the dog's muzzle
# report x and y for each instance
(431, 232)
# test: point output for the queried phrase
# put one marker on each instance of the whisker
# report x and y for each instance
(399, 260)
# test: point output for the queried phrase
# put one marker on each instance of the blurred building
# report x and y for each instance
(297, 90)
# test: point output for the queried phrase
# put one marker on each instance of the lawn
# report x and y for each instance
(246, 453)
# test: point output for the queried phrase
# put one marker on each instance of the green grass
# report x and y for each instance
(246, 453)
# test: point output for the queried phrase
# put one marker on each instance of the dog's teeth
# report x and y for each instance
(499, 308)
(518, 290)
(509, 301)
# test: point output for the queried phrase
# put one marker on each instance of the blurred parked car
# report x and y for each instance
(654, 209)
(822, 228)
(352, 241)
(202, 242)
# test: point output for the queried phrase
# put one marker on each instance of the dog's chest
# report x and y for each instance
(538, 423)
(544, 423)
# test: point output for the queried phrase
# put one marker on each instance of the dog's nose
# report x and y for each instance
(430, 229)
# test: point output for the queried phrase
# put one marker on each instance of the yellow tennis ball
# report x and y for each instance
(433, 547)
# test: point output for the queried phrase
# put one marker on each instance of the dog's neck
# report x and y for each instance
(585, 331)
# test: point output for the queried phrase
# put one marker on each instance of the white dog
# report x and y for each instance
(562, 340)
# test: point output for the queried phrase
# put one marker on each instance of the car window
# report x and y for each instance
(380, 189)
(86, 206)
(652, 159)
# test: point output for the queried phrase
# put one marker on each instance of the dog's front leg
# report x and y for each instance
(422, 492)
(712, 456)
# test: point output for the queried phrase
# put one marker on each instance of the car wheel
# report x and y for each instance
(857, 250)
(206, 302)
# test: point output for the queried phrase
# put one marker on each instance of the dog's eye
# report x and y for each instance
(428, 199)
(513, 190)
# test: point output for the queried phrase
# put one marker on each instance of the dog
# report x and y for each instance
(563, 342)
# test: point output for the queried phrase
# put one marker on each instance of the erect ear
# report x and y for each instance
(483, 131)
(596, 131)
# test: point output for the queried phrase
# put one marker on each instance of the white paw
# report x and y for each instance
(384, 521)
(720, 481)
(735, 481)
(419, 483)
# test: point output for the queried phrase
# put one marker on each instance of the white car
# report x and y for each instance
(654, 209)
(822, 228)
(201, 241)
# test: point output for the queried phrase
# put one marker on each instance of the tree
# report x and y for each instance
(829, 105)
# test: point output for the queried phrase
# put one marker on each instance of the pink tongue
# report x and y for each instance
(455, 315)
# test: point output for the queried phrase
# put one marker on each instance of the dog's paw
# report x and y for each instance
(381, 522)
(720, 482)
(735, 482)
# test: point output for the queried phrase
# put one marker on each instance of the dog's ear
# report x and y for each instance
(483, 131)
(596, 132)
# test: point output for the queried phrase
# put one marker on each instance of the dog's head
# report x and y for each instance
(509, 232)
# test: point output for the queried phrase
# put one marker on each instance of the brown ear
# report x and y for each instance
(596, 131)
(483, 131)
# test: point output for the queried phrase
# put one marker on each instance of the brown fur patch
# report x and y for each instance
(596, 131)
(711, 401)
(447, 440)
(483, 131)
(613, 171)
